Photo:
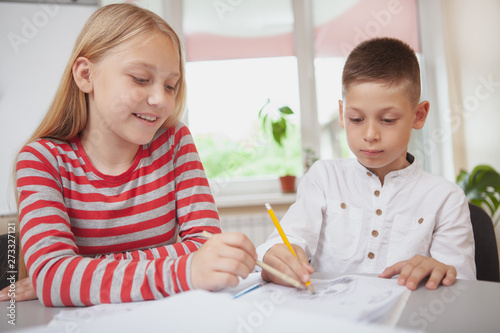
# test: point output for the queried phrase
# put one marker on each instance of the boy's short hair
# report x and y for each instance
(386, 60)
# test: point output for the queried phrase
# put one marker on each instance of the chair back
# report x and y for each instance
(487, 266)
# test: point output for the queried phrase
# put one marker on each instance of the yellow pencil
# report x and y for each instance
(285, 239)
(269, 269)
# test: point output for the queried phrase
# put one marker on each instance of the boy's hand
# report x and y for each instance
(24, 291)
(414, 270)
(219, 262)
(280, 257)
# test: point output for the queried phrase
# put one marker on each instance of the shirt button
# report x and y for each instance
(374, 233)
(379, 212)
(371, 255)
(377, 193)
(369, 174)
(420, 220)
(343, 206)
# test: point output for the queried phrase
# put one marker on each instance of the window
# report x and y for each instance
(238, 57)
(240, 53)
(224, 100)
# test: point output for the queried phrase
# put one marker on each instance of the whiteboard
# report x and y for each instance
(36, 43)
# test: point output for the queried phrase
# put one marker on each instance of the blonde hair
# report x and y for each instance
(109, 27)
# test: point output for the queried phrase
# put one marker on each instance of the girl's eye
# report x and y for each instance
(356, 120)
(169, 88)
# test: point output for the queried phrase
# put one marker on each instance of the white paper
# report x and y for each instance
(344, 304)
(351, 297)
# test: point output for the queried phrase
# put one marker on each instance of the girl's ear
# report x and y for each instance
(82, 74)
(341, 114)
(421, 112)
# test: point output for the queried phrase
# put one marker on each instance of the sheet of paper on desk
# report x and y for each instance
(270, 308)
(201, 311)
(352, 297)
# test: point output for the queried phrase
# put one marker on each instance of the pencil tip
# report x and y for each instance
(311, 289)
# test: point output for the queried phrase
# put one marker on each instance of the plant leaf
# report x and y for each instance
(264, 122)
(481, 186)
(285, 110)
(262, 108)
(494, 201)
(279, 130)
(463, 179)
(484, 179)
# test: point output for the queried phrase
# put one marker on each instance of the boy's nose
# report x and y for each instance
(372, 132)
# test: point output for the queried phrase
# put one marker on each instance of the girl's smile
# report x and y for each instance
(150, 119)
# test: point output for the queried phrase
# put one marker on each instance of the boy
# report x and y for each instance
(378, 213)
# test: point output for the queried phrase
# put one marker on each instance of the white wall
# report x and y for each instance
(473, 52)
(473, 31)
(36, 41)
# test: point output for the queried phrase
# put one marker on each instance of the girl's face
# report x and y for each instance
(133, 90)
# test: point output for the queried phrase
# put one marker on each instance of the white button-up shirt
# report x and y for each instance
(348, 223)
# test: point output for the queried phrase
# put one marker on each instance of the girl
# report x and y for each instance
(111, 177)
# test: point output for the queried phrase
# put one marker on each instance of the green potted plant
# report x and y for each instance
(482, 188)
(276, 121)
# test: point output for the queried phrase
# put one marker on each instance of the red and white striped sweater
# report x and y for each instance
(90, 238)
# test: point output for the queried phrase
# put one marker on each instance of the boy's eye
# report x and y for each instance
(388, 120)
(139, 79)
(356, 120)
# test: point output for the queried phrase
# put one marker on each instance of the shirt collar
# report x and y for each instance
(406, 173)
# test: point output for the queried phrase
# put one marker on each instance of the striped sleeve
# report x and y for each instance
(196, 209)
(63, 277)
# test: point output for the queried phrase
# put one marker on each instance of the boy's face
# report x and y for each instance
(378, 121)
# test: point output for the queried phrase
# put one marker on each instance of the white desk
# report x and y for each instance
(467, 306)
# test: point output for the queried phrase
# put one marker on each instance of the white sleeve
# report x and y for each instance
(453, 239)
(302, 222)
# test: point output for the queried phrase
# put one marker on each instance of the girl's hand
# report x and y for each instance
(24, 291)
(414, 270)
(280, 257)
(219, 262)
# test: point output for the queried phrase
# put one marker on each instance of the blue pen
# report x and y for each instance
(247, 290)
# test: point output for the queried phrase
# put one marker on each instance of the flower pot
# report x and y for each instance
(287, 184)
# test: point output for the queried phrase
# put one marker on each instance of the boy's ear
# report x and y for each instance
(421, 112)
(82, 74)
(341, 114)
